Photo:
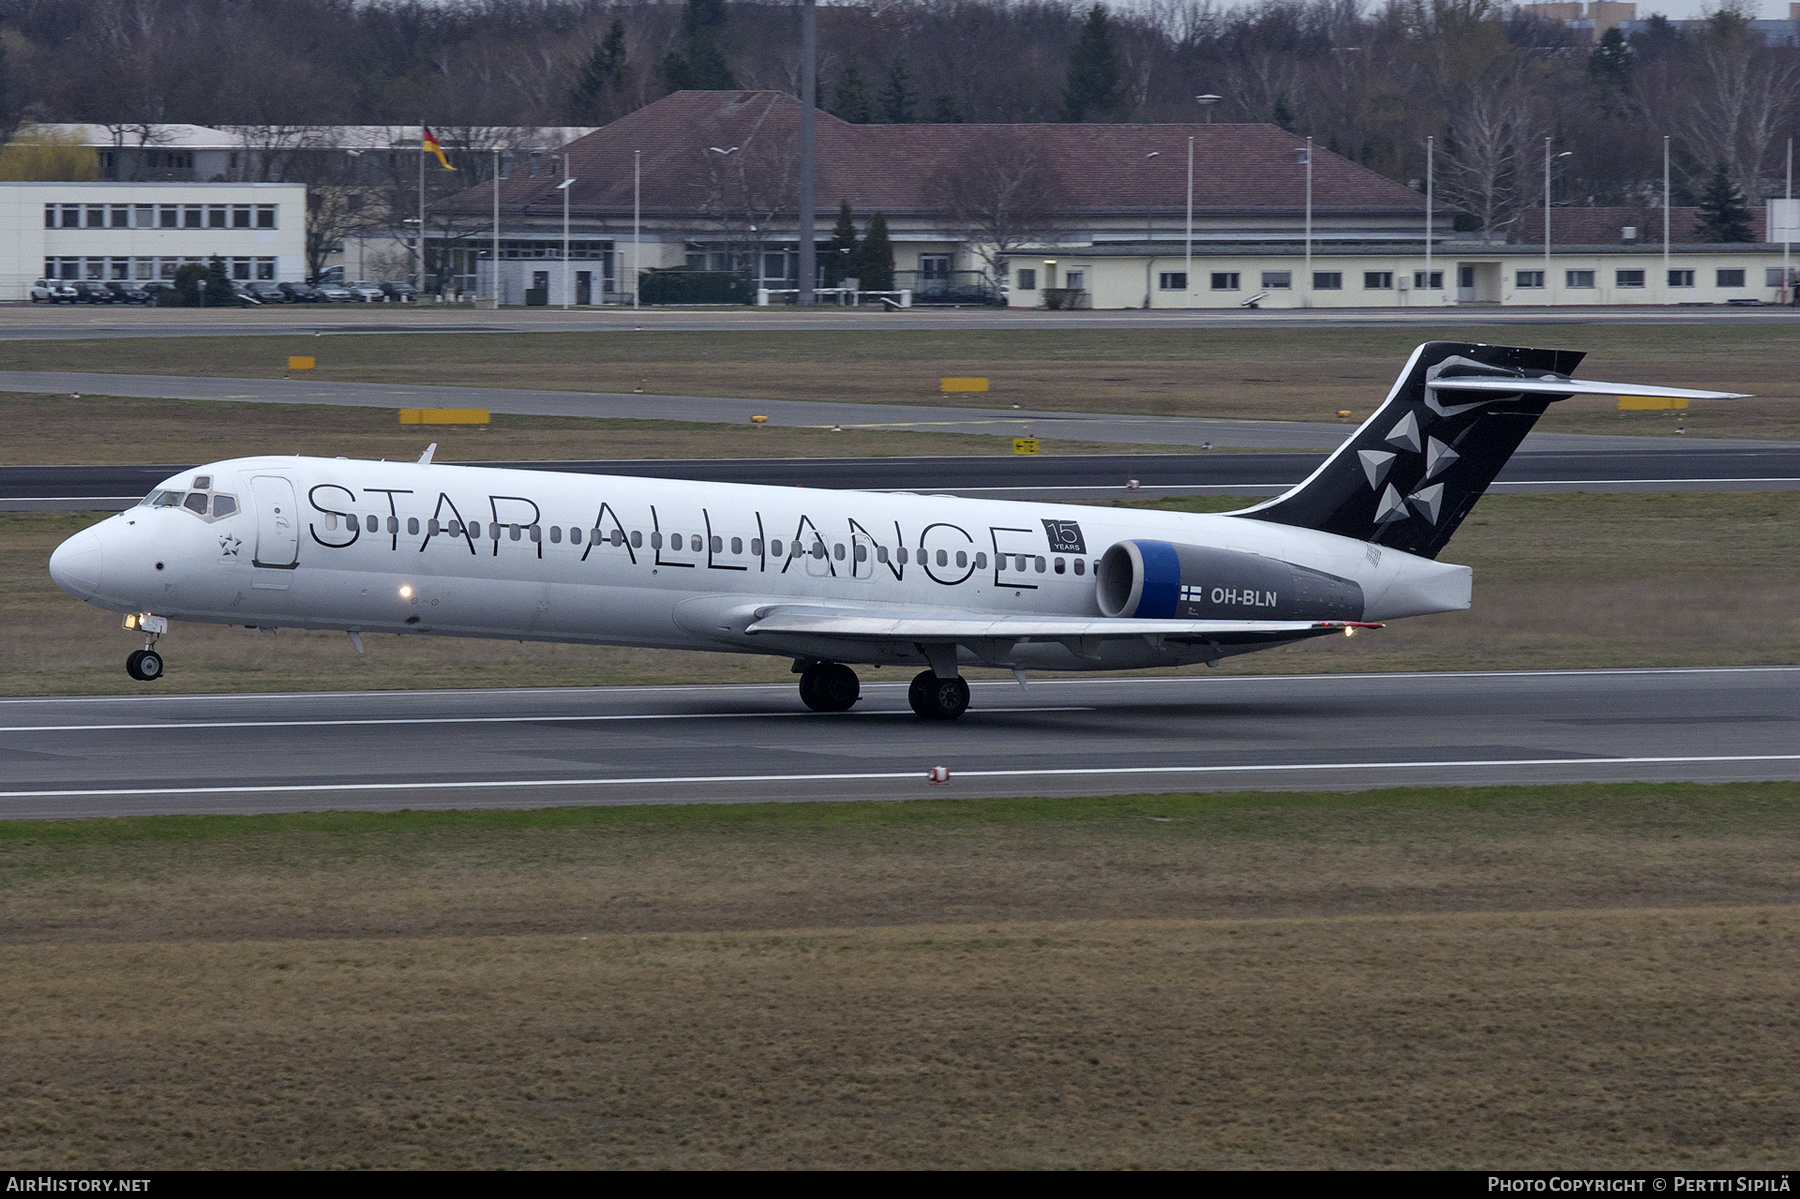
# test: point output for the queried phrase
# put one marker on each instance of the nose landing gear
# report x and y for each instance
(146, 665)
(829, 687)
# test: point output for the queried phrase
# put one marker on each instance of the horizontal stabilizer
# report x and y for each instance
(974, 626)
(1553, 386)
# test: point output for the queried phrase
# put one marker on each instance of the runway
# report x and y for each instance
(1657, 466)
(382, 751)
(65, 322)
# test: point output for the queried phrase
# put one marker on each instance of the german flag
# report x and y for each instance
(430, 146)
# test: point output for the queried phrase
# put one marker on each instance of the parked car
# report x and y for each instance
(128, 293)
(241, 290)
(268, 293)
(400, 291)
(52, 291)
(92, 291)
(366, 292)
(299, 293)
(334, 293)
(331, 274)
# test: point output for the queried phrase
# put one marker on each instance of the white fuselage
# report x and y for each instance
(465, 551)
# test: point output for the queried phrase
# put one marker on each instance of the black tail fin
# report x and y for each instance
(1410, 474)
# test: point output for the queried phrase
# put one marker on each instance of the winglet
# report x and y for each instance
(425, 458)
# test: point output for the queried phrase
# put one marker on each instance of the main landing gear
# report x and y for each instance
(828, 686)
(936, 698)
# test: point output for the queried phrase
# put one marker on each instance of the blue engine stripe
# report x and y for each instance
(1162, 580)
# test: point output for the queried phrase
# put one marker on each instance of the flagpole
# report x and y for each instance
(421, 206)
(637, 218)
(496, 227)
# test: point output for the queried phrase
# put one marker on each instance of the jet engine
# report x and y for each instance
(1162, 580)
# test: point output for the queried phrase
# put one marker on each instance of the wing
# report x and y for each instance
(959, 626)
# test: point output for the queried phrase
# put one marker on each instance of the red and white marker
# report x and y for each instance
(1131, 484)
(937, 776)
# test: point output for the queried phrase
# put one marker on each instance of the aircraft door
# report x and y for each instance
(277, 522)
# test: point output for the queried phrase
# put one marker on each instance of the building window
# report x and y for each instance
(191, 217)
(1277, 280)
(1224, 280)
(144, 269)
(1428, 280)
(1772, 277)
(1579, 280)
(265, 268)
(240, 269)
(215, 216)
(934, 266)
(145, 217)
(96, 216)
(166, 267)
(1681, 278)
(121, 216)
(49, 216)
(168, 217)
(1076, 280)
(71, 216)
(1328, 281)
(69, 268)
(1628, 278)
(265, 216)
(1171, 281)
(93, 268)
(1027, 278)
(121, 268)
(1731, 278)
(240, 216)
(1378, 280)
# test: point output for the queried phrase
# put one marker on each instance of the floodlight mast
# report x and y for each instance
(809, 98)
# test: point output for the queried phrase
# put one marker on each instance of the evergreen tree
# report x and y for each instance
(1283, 116)
(851, 99)
(1723, 214)
(703, 67)
(1611, 62)
(840, 259)
(898, 96)
(605, 71)
(1094, 74)
(946, 111)
(875, 259)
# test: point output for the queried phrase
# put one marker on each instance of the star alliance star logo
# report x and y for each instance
(228, 546)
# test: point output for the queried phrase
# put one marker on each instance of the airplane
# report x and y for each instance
(831, 578)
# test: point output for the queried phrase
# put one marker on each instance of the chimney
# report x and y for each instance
(1628, 234)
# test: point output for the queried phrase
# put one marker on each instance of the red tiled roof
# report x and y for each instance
(1604, 226)
(1250, 169)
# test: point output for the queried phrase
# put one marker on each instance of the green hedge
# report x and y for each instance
(679, 285)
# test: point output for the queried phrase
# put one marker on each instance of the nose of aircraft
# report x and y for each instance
(75, 566)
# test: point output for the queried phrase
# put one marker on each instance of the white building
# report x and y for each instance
(144, 231)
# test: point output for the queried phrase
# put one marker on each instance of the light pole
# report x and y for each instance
(1308, 268)
(637, 218)
(725, 211)
(809, 93)
(1430, 146)
(1206, 102)
(563, 187)
(1667, 298)
(1548, 161)
(1188, 278)
(496, 227)
(1149, 257)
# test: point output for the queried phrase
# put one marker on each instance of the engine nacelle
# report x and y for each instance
(1162, 580)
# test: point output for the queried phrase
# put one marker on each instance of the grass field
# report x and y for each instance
(1532, 977)
(1286, 374)
(49, 430)
(1561, 581)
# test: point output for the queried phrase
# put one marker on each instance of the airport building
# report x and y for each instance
(144, 231)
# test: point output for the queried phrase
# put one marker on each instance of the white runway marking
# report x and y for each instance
(877, 776)
(186, 725)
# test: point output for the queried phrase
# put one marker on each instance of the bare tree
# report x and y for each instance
(1004, 196)
(1487, 164)
(1737, 104)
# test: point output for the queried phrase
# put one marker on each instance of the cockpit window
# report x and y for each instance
(166, 499)
(224, 505)
(202, 482)
(195, 502)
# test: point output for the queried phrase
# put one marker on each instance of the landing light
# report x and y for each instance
(406, 593)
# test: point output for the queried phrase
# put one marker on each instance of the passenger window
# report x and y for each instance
(675, 542)
(1040, 565)
(618, 537)
(881, 554)
(862, 553)
(718, 544)
(737, 545)
(372, 524)
(818, 549)
(1060, 566)
(195, 502)
(513, 531)
(224, 505)
(837, 551)
(902, 555)
(637, 539)
(943, 558)
(412, 525)
(656, 540)
(1080, 566)
(432, 528)
(980, 561)
(393, 524)
(775, 548)
(962, 558)
(574, 535)
(755, 547)
(456, 529)
(536, 531)
(494, 528)
(555, 534)
(795, 550)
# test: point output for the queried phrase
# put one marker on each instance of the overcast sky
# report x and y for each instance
(1677, 9)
